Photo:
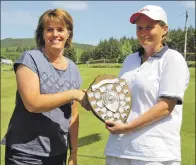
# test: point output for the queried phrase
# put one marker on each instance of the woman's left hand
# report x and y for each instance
(116, 127)
(72, 159)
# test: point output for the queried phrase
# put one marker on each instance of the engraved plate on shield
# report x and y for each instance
(110, 98)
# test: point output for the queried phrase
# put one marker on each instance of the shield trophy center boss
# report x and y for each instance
(110, 98)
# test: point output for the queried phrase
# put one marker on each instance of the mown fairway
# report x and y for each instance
(92, 135)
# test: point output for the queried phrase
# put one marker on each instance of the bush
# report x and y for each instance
(191, 64)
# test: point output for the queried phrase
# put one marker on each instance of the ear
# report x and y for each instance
(165, 28)
(69, 32)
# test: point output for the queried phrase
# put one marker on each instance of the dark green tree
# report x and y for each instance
(125, 47)
(19, 49)
(7, 50)
(86, 55)
(70, 53)
(191, 39)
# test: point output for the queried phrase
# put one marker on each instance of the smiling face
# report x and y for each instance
(54, 29)
(149, 32)
(55, 35)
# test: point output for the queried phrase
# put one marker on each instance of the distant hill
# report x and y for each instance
(28, 42)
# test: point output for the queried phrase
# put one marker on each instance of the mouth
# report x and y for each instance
(145, 38)
(55, 41)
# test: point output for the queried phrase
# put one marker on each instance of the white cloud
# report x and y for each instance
(73, 5)
(188, 4)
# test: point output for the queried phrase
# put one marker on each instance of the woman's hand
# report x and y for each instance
(80, 95)
(72, 158)
(83, 100)
(116, 127)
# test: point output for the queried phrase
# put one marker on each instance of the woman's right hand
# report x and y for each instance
(83, 100)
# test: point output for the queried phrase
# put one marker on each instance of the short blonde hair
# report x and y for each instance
(58, 16)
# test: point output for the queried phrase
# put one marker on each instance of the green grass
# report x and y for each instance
(101, 65)
(92, 134)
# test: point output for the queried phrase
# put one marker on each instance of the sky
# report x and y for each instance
(93, 20)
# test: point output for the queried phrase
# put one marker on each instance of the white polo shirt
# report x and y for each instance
(164, 74)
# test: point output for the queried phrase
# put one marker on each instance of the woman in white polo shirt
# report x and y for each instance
(157, 77)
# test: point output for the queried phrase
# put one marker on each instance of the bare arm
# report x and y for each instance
(29, 89)
(162, 109)
(74, 125)
(73, 135)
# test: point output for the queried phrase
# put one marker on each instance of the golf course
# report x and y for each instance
(92, 133)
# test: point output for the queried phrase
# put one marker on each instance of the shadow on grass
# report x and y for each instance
(86, 140)
(91, 156)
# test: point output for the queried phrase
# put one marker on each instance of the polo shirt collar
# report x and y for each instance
(160, 53)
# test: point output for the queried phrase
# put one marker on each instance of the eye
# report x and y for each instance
(49, 29)
(139, 28)
(149, 27)
(61, 29)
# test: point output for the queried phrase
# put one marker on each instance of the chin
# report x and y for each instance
(146, 44)
(57, 47)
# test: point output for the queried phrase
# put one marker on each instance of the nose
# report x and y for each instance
(55, 32)
(144, 32)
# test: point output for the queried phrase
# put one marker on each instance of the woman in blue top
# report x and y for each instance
(46, 100)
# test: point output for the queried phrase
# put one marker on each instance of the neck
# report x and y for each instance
(152, 50)
(53, 55)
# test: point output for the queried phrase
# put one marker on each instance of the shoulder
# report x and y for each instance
(174, 60)
(29, 55)
(130, 63)
(31, 59)
(172, 54)
(131, 58)
(33, 52)
(72, 65)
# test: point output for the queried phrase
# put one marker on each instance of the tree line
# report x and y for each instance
(115, 50)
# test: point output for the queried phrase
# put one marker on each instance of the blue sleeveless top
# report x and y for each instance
(43, 134)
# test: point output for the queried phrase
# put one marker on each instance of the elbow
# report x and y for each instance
(32, 108)
(164, 112)
(167, 106)
(167, 112)
(32, 103)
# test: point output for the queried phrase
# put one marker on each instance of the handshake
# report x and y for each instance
(108, 97)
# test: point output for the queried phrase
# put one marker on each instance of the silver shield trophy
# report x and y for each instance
(110, 98)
